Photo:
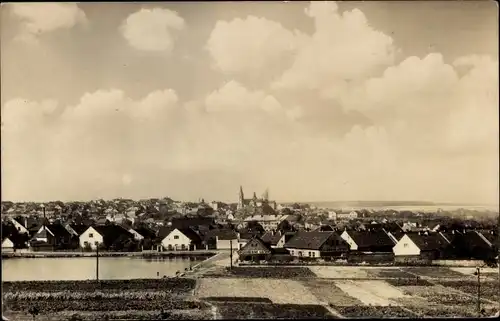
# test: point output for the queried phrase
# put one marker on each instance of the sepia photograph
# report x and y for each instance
(249, 160)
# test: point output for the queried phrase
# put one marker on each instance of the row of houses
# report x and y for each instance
(180, 234)
(203, 233)
(327, 243)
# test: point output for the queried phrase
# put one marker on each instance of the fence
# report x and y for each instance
(383, 257)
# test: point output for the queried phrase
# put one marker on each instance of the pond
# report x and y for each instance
(84, 268)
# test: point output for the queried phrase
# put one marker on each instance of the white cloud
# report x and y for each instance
(152, 29)
(233, 96)
(343, 49)
(431, 130)
(249, 45)
(41, 18)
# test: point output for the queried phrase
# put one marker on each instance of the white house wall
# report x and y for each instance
(405, 246)
(352, 245)
(175, 240)
(7, 244)
(226, 244)
(304, 253)
(90, 236)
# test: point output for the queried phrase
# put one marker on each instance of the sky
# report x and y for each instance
(316, 101)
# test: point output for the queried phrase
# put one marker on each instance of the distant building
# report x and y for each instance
(254, 201)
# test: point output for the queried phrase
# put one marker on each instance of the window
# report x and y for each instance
(176, 237)
(91, 235)
(310, 254)
(313, 254)
(405, 245)
(300, 253)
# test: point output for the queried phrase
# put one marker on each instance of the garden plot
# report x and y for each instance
(339, 272)
(389, 273)
(371, 292)
(433, 272)
(272, 311)
(469, 271)
(326, 290)
(278, 291)
(490, 290)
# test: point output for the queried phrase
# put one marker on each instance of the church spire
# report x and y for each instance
(265, 196)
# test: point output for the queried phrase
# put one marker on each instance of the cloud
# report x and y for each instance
(250, 45)
(423, 128)
(41, 18)
(343, 49)
(233, 96)
(152, 29)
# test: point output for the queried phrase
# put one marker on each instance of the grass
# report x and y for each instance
(271, 272)
(434, 272)
(406, 282)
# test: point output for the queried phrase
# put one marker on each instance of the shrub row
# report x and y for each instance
(272, 311)
(363, 311)
(173, 285)
(45, 306)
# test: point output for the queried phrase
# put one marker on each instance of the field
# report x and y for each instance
(325, 292)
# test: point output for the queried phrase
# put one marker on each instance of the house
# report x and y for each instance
(175, 239)
(276, 239)
(255, 250)
(226, 239)
(368, 241)
(395, 235)
(76, 229)
(350, 215)
(52, 236)
(7, 244)
(146, 233)
(268, 221)
(472, 245)
(103, 235)
(192, 222)
(325, 228)
(137, 235)
(426, 245)
(316, 244)
(20, 227)
(18, 239)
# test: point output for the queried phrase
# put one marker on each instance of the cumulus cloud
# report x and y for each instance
(152, 29)
(249, 45)
(41, 18)
(233, 96)
(432, 132)
(343, 49)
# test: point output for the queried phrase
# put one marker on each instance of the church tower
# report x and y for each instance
(241, 199)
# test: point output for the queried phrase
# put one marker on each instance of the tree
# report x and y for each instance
(254, 226)
(285, 226)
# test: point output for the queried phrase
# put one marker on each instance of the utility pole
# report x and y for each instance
(231, 253)
(97, 261)
(478, 273)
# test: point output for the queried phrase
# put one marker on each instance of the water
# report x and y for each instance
(84, 268)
